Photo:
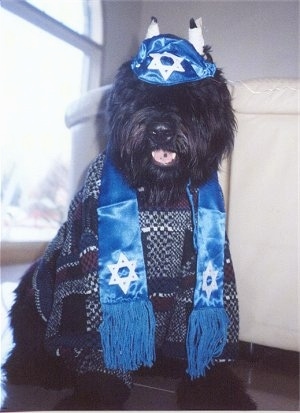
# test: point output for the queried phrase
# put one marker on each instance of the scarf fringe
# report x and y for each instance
(206, 338)
(127, 335)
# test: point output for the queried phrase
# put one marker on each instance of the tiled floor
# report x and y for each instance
(272, 380)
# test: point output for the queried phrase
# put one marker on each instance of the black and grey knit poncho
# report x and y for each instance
(65, 280)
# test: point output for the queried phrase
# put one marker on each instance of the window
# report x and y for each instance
(72, 14)
(40, 76)
(50, 55)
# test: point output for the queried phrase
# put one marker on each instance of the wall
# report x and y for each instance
(249, 38)
(121, 24)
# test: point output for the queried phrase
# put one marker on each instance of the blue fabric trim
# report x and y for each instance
(209, 240)
(127, 335)
(119, 233)
(208, 322)
(128, 327)
(206, 339)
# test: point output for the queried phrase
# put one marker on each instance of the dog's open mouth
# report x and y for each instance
(164, 157)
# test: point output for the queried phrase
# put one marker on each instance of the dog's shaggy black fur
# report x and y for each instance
(195, 122)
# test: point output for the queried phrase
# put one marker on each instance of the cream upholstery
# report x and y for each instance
(260, 185)
(262, 211)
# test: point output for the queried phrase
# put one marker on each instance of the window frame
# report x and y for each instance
(18, 252)
(47, 23)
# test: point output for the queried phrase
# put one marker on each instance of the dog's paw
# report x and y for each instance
(220, 389)
(96, 391)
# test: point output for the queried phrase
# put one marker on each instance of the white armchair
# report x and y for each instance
(262, 211)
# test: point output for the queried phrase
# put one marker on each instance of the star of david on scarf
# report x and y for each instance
(209, 283)
(123, 273)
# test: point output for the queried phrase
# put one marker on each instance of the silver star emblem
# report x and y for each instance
(123, 273)
(165, 69)
(209, 283)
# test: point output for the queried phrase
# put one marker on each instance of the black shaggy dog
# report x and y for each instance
(74, 326)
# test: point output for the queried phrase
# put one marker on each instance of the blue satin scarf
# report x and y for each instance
(127, 329)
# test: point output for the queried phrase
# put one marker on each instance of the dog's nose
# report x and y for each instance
(161, 133)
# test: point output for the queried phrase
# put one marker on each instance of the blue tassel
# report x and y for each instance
(206, 338)
(127, 335)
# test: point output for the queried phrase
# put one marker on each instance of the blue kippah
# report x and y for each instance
(169, 60)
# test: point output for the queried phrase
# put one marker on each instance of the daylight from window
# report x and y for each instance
(68, 12)
(40, 76)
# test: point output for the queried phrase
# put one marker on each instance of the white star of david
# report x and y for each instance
(116, 273)
(166, 70)
(209, 283)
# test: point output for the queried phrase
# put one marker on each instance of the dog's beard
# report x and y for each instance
(159, 168)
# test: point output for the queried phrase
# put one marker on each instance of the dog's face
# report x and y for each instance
(163, 136)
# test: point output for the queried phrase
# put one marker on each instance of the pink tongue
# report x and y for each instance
(163, 157)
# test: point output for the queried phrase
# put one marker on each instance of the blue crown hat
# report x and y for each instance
(169, 60)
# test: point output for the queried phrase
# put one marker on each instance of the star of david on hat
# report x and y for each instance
(168, 60)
